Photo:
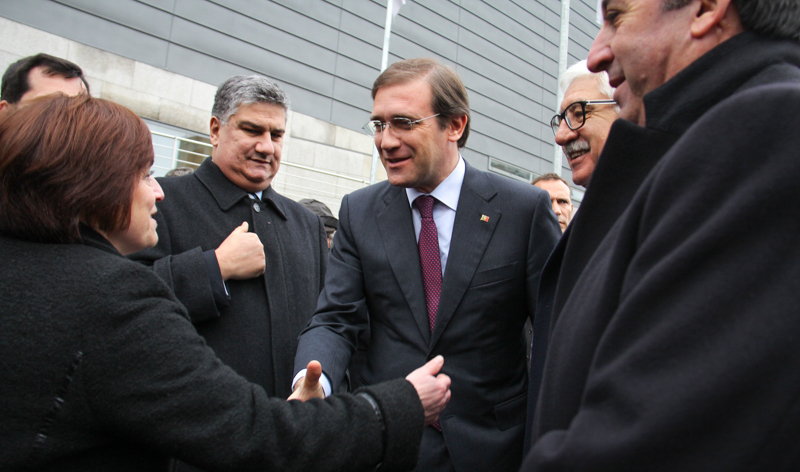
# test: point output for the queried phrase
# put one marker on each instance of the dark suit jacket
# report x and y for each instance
(488, 290)
(256, 334)
(672, 342)
(102, 371)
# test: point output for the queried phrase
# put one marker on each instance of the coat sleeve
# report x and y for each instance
(697, 366)
(187, 273)
(332, 334)
(545, 233)
(150, 378)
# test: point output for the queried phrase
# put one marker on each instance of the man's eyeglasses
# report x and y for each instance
(399, 125)
(575, 114)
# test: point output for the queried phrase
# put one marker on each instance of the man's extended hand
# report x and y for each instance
(433, 390)
(241, 255)
(309, 387)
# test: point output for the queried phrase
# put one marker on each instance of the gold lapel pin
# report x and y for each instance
(484, 218)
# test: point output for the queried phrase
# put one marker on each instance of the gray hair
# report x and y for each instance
(243, 90)
(779, 19)
(579, 70)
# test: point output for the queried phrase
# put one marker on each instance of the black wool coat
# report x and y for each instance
(674, 324)
(256, 333)
(102, 371)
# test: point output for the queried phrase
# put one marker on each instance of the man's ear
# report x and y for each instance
(3, 104)
(214, 127)
(711, 15)
(456, 127)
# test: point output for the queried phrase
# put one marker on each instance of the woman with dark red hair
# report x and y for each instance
(99, 366)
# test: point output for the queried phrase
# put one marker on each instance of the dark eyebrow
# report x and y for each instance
(250, 124)
(261, 128)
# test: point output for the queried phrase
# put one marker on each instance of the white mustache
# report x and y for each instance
(576, 147)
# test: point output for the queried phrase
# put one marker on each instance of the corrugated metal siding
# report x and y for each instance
(326, 54)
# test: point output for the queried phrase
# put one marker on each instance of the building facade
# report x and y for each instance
(165, 58)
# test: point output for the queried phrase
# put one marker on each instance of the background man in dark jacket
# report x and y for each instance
(247, 263)
(673, 336)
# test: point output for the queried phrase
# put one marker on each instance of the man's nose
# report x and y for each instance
(556, 208)
(265, 145)
(387, 139)
(600, 55)
(565, 135)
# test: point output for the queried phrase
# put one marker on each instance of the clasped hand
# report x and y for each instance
(432, 387)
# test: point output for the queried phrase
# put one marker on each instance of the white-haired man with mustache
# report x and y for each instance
(587, 111)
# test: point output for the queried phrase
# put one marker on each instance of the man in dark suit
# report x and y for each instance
(247, 263)
(441, 259)
(672, 341)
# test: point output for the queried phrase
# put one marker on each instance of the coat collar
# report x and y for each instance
(227, 194)
(677, 104)
(90, 237)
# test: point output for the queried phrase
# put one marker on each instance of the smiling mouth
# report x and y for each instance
(396, 160)
(574, 155)
(575, 150)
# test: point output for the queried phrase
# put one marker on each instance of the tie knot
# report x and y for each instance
(425, 205)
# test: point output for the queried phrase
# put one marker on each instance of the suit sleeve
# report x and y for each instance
(149, 377)
(697, 368)
(187, 274)
(331, 336)
(545, 233)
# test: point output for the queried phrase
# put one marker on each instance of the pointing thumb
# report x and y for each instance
(433, 366)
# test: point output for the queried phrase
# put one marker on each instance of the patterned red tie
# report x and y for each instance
(431, 262)
(429, 257)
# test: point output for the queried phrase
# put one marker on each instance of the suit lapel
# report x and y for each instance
(400, 243)
(474, 225)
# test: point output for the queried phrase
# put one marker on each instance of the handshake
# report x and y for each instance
(432, 387)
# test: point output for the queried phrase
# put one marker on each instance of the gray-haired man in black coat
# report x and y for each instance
(673, 328)
(246, 262)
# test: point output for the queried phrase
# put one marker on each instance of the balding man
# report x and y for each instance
(560, 198)
(42, 74)
(672, 339)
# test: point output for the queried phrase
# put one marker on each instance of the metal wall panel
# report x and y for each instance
(129, 13)
(71, 23)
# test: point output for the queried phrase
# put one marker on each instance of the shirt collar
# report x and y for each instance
(227, 193)
(446, 192)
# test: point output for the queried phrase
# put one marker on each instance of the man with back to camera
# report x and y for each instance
(560, 198)
(247, 262)
(38, 75)
(441, 259)
(672, 343)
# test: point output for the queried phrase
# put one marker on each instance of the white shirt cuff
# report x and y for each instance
(323, 379)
